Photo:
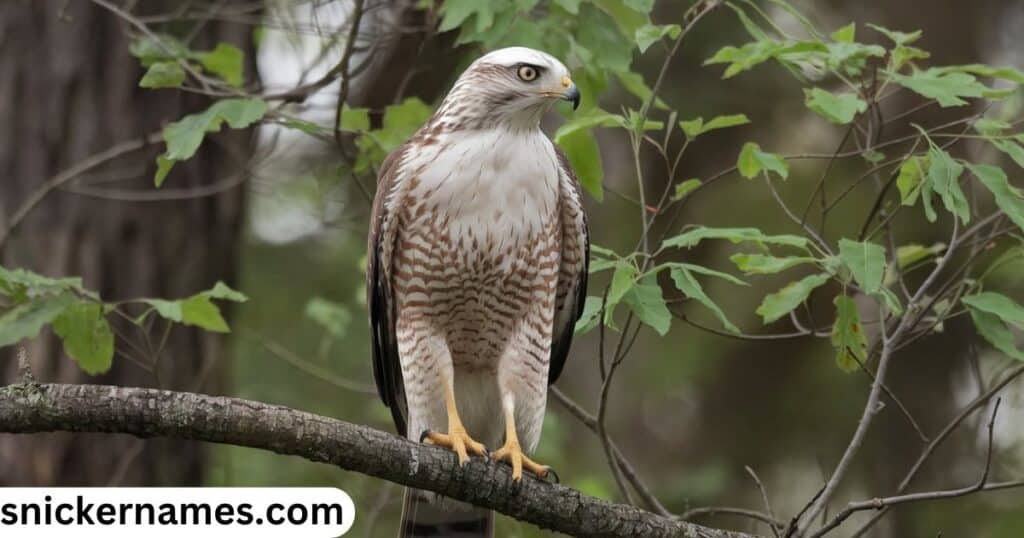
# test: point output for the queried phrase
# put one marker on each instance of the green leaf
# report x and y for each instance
(648, 34)
(638, 123)
(782, 302)
(948, 88)
(572, 6)
(355, 119)
(845, 34)
(184, 136)
(634, 84)
(238, 113)
(999, 305)
(307, 127)
(900, 38)
(643, 6)
(401, 121)
(27, 318)
(996, 333)
(226, 61)
(839, 109)
(902, 55)
(707, 271)
(688, 285)
(456, 12)
(745, 57)
(873, 156)
(163, 75)
(224, 292)
(22, 285)
(694, 236)
(200, 311)
(583, 153)
(761, 264)
(163, 167)
(646, 301)
(1009, 198)
(752, 161)
(982, 70)
(851, 58)
(909, 180)
(749, 25)
(607, 29)
(757, 52)
(992, 312)
(333, 317)
(907, 255)
(866, 261)
(158, 48)
(1011, 148)
(848, 335)
(685, 188)
(891, 301)
(86, 335)
(595, 117)
(170, 310)
(696, 127)
(624, 278)
(590, 316)
(944, 178)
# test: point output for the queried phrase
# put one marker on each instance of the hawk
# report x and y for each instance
(477, 271)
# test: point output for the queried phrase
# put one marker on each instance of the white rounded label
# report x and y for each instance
(176, 512)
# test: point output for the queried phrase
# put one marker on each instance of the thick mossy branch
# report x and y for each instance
(31, 408)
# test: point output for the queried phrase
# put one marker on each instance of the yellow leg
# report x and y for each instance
(456, 439)
(512, 452)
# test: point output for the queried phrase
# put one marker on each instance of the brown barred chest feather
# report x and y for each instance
(483, 291)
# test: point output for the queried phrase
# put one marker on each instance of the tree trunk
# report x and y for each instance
(70, 90)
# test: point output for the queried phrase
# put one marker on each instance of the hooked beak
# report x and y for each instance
(571, 92)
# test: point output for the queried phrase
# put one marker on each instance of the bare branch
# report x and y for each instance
(880, 503)
(764, 499)
(969, 409)
(713, 510)
(67, 175)
(29, 408)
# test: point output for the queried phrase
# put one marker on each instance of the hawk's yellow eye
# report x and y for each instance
(527, 73)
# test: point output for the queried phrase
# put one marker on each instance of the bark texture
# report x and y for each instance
(69, 90)
(34, 408)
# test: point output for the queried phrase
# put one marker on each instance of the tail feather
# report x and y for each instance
(424, 517)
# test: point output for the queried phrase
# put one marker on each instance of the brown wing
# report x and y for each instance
(387, 369)
(572, 276)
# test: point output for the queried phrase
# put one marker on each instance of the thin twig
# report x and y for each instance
(284, 354)
(628, 471)
(764, 499)
(68, 174)
(941, 437)
(880, 503)
(744, 512)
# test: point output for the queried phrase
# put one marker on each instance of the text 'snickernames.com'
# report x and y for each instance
(177, 512)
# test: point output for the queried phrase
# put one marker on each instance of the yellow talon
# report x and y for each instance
(512, 452)
(456, 439)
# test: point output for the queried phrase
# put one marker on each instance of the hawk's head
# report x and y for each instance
(513, 85)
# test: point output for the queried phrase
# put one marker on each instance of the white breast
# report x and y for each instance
(489, 182)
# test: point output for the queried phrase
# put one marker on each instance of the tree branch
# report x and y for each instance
(32, 408)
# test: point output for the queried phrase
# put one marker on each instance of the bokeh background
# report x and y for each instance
(282, 222)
